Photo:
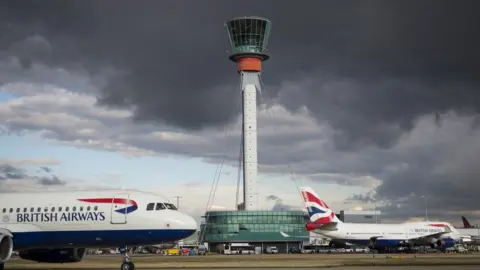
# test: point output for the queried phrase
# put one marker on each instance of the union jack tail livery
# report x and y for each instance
(318, 210)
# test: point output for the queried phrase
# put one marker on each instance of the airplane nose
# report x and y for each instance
(186, 226)
(190, 223)
(183, 224)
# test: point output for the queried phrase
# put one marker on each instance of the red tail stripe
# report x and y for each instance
(313, 198)
(109, 200)
(325, 220)
(437, 225)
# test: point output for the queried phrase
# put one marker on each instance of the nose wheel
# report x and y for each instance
(126, 264)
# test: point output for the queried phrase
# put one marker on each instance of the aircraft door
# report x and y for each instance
(120, 204)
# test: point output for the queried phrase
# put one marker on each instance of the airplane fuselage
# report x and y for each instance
(387, 234)
(91, 219)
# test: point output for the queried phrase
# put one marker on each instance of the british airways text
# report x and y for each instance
(428, 230)
(61, 217)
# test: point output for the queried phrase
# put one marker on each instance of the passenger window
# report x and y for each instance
(81, 208)
(67, 208)
(160, 206)
(18, 210)
(32, 209)
(46, 209)
(59, 209)
(39, 209)
(25, 209)
(150, 206)
(4, 210)
(95, 208)
(88, 208)
(74, 208)
(11, 210)
(53, 209)
(170, 206)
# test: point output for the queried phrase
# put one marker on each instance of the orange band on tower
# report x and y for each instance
(249, 64)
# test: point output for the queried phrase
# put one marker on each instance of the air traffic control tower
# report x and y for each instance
(248, 40)
(260, 228)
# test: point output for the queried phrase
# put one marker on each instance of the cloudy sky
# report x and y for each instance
(366, 101)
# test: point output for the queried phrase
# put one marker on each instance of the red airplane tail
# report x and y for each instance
(466, 224)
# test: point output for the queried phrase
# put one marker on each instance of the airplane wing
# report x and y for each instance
(339, 241)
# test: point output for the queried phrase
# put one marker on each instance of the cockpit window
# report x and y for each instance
(170, 206)
(150, 206)
(160, 206)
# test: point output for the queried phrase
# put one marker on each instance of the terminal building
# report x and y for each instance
(261, 229)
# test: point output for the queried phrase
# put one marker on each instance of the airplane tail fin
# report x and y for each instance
(318, 210)
(466, 224)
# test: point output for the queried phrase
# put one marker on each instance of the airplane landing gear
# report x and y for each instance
(126, 264)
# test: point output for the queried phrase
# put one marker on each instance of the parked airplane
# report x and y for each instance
(57, 227)
(466, 224)
(376, 236)
(470, 234)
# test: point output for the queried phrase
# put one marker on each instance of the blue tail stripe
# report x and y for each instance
(312, 210)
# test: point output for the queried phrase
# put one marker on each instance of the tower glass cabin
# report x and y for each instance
(248, 37)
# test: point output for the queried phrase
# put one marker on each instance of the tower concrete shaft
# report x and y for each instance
(248, 40)
(250, 84)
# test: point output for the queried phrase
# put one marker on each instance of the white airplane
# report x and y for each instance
(470, 234)
(376, 236)
(57, 227)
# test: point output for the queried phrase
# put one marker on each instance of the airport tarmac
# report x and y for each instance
(451, 267)
(278, 261)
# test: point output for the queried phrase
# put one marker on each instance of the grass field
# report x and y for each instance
(256, 261)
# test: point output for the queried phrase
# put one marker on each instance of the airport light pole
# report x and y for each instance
(178, 201)
(426, 207)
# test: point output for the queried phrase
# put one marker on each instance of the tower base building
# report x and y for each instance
(255, 230)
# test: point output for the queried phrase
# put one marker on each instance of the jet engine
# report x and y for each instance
(336, 244)
(443, 243)
(66, 255)
(6, 247)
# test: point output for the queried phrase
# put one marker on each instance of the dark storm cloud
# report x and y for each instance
(374, 66)
(11, 172)
(50, 181)
(279, 204)
(368, 68)
(46, 169)
(364, 198)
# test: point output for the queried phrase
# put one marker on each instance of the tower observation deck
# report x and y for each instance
(248, 41)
